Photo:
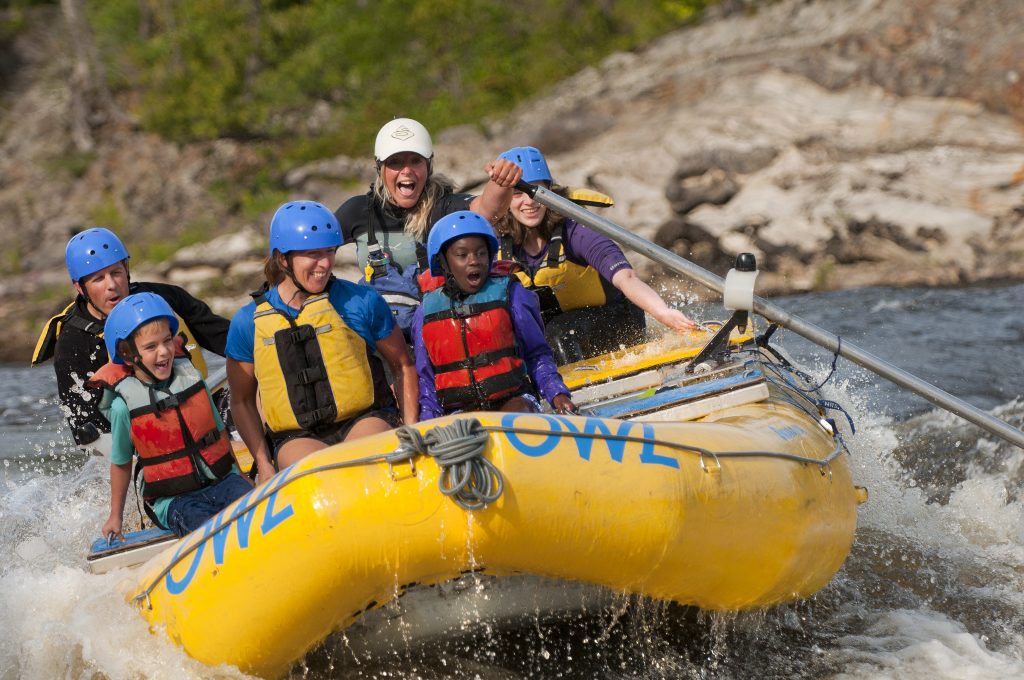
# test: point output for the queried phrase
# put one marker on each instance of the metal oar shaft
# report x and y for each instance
(779, 316)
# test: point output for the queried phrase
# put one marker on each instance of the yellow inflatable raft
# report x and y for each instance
(746, 505)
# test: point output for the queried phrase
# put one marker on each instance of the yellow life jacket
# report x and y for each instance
(312, 370)
(574, 286)
(47, 342)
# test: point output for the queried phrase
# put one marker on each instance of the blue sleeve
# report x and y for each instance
(533, 347)
(364, 310)
(242, 335)
(121, 450)
(429, 405)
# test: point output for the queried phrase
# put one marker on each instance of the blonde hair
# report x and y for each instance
(506, 225)
(417, 221)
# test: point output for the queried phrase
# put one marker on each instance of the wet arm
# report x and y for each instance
(644, 297)
(242, 380)
(497, 194)
(529, 331)
(76, 357)
(120, 479)
(395, 352)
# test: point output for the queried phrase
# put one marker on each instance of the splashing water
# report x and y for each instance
(932, 589)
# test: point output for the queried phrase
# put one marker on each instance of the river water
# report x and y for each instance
(934, 586)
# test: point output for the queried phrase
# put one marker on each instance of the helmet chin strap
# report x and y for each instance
(136, 359)
(451, 287)
(291, 275)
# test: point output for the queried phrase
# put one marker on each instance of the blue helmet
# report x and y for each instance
(91, 251)
(455, 226)
(531, 160)
(132, 312)
(304, 225)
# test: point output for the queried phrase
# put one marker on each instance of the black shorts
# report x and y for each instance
(334, 433)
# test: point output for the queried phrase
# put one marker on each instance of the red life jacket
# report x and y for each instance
(471, 344)
(171, 428)
(427, 282)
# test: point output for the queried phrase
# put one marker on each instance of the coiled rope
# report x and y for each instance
(466, 476)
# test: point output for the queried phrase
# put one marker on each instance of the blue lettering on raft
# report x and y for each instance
(788, 432)
(243, 526)
(584, 445)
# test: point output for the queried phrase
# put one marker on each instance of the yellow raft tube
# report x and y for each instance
(641, 508)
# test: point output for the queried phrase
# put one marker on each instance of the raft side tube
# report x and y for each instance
(320, 544)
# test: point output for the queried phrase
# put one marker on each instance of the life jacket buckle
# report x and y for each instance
(303, 333)
(312, 374)
(167, 402)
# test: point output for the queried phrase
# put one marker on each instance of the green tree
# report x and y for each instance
(259, 69)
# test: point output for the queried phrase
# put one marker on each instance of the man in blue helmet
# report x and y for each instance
(97, 263)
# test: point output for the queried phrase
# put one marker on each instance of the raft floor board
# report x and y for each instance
(703, 407)
(700, 397)
(136, 548)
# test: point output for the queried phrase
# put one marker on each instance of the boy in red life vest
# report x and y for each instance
(479, 339)
(160, 409)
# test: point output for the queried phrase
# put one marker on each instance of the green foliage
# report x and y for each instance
(161, 251)
(254, 69)
(76, 163)
(51, 297)
(253, 194)
(105, 213)
(12, 260)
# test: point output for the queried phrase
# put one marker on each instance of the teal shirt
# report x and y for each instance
(123, 451)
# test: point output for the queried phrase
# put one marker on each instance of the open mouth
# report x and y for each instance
(162, 367)
(474, 277)
(406, 188)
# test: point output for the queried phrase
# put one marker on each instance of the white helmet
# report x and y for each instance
(402, 134)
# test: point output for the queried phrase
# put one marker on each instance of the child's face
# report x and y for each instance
(156, 349)
(469, 262)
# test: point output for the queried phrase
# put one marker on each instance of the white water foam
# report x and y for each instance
(60, 620)
(978, 533)
(922, 644)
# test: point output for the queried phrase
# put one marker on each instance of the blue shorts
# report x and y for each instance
(189, 511)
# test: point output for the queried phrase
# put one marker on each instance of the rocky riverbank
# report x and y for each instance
(846, 142)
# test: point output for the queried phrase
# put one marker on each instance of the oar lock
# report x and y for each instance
(739, 298)
(739, 288)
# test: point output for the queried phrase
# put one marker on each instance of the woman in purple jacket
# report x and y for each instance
(478, 339)
(591, 299)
